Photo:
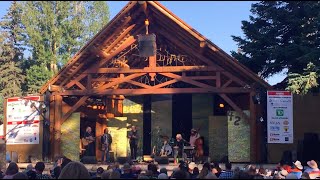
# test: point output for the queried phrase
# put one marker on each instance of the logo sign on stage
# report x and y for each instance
(280, 117)
(23, 120)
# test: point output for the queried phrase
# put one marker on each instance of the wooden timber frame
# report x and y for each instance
(186, 62)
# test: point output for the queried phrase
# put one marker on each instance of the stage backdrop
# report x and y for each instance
(117, 128)
(238, 137)
(70, 137)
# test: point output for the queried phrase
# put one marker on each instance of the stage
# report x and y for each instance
(144, 166)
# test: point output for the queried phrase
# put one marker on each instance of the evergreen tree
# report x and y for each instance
(11, 53)
(280, 35)
(57, 30)
(303, 83)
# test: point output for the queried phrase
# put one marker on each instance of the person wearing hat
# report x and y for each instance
(297, 170)
(313, 166)
(313, 169)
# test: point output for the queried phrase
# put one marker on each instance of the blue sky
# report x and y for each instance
(216, 20)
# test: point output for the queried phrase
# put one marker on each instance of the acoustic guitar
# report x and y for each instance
(86, 142)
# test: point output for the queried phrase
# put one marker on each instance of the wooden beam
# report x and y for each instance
(57, 125)
(234, 78)
(121, 80)
(164, 84)
(80, 85)
(127, 43)
(227, 83)
(52, 125)
(103, 79)
(162, 69)
(202, 77)
(253, 129)
(122, 35)
(73, 73)
(218, 81)
(74, 108)
(139, 84)
(187, 80)
(234, 106)
(89, 81)
(117, 30)
(151, 91)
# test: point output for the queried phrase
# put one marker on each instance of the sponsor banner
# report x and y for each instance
(23, 120)
(280, 117)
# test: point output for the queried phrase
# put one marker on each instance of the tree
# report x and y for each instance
(280, 35)
(11, 53)
(57, 30)
(303, 83)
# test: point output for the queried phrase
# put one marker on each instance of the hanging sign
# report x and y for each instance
(280, 117)
(23, 120)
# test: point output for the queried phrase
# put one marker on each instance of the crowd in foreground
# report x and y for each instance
(64, 168)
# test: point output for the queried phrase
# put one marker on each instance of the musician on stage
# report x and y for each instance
(106, 141)
(90, 148)
(193, 137)
(166, 149)
(133, 141)
(178, 145)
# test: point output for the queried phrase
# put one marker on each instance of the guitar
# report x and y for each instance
(86, 142)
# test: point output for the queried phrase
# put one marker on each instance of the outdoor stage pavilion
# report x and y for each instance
(189, 83)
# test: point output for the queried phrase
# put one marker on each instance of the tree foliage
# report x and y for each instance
(303, 83)
(280, 35)
(11, 53)
(56, 30)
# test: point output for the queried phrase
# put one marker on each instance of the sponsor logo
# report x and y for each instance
(274, 134)
(286, 122)
(274, 139)
(286, 139)
(279, 112)
(274, 128)
(286, 128)
(274, 123)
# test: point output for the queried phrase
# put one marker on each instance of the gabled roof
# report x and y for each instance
(131, 18)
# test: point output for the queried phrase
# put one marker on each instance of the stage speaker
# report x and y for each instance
(122, 160)
(310, 147)
(162, 160)
(89, 160)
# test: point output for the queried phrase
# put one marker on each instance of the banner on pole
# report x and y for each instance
(280, 117)
(23, 120)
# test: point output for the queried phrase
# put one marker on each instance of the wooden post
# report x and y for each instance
(152, 64)
(51, 118)
(57, 125)
(253, 129)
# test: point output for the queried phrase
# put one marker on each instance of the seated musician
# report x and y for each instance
(90, 148)
(166, 149)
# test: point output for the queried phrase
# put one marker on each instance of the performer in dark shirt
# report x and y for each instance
(133, 141)
(178, 146)
(106, 141)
